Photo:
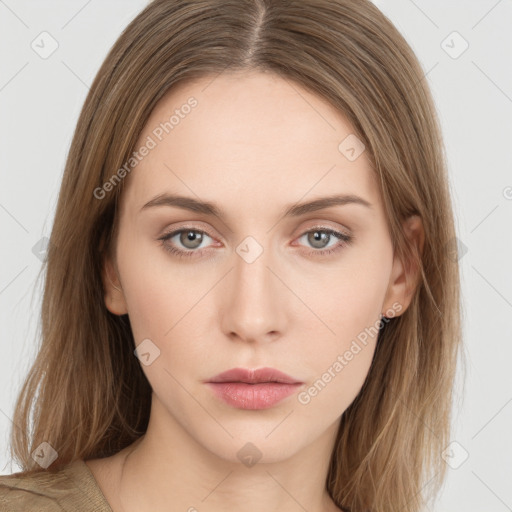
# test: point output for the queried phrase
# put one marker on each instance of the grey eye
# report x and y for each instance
(191, 239)
(318, 239)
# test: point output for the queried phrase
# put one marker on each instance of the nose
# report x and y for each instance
(254, 308)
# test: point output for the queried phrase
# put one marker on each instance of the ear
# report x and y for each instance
(405, 275)
(114, 296)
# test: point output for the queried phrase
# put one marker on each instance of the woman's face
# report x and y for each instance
(263, 281)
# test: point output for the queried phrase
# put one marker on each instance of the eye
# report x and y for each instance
(320, 237)
(189, 238)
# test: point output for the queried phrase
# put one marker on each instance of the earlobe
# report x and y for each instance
(114, 296)
(405, 275)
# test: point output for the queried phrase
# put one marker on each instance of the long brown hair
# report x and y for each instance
(89, 395)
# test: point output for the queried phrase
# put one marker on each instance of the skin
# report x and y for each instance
(253, 145)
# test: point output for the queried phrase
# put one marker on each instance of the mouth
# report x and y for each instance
(253, 389)
(258, 376)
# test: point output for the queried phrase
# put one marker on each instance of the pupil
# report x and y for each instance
(191, 236)
(318, 235)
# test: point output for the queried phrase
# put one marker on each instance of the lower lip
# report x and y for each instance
(252, 396)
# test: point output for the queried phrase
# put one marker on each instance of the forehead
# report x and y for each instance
(246, 138)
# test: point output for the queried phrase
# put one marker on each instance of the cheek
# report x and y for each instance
(339, 362)
(166, 299)
(340, 348)
(151, 310)
(349, 297)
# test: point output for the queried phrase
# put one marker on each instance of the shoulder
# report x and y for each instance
(71, 488)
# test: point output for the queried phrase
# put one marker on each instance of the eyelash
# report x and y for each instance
(345, 240)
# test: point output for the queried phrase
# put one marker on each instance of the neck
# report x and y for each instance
(168, 469)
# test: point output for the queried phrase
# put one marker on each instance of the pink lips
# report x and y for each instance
(253, 389)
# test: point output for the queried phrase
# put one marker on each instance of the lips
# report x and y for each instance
(254, 376)
(253, 389)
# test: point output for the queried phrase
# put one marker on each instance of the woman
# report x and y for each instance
(250, 297)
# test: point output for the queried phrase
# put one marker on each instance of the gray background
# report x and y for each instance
(40, 100)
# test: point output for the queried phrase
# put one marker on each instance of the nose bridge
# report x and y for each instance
(251, 267)
(255, 305)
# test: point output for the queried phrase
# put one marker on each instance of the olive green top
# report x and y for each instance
(72, 488)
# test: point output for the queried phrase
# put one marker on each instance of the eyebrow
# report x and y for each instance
(293, 210)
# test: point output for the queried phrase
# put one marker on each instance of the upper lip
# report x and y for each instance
(254, 376)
